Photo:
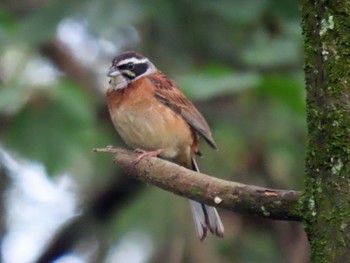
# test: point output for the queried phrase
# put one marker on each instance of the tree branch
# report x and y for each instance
(59, 54)
(97, 211)
(237, 197)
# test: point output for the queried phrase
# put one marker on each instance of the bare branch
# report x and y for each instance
(62, 57)
(105, 204)
(237, 197)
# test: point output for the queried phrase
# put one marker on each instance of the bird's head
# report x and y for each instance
(128, 67)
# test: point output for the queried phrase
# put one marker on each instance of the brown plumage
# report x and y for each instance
(151, 113)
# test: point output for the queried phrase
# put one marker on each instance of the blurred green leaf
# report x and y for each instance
(109, 16)
(167, 216)
(286, 90)
(40, 25)
(10, 98)
(54, 131)
(6, 19)
(7, 26)
(264, 243)
(288, 9)
(242, 11)
(216, 80)
(267, 51)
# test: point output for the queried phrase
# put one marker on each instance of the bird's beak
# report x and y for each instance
(113, 72)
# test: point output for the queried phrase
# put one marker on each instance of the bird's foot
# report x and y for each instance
(138, 150)
(144, 154)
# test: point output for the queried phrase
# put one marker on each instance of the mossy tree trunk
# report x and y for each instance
(326, 29)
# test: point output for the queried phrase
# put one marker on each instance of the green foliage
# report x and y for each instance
(263, 243)
(10, 97)
(159, 206)
(7, 25)
(54, 129)
(216, 80)
(286, 90)
(237, 12)
(41, 25)
(265, 51)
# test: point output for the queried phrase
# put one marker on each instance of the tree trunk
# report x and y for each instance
(326, 28)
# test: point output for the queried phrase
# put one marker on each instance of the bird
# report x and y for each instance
(154, 118)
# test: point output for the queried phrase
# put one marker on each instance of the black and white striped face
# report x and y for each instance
(128, 67)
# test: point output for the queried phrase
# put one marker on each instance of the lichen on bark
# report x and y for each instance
(327, 68)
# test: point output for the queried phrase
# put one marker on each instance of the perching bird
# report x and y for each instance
(153, 116)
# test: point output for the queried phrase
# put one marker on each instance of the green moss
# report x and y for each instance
(264, 211)
(327, 192)
(197, 191)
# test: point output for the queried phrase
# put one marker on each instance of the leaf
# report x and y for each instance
(286, 90)
(265, 51)
(55, 130)
(241, 11)
(215, 81)
(7, 26)
(109, 16)
(41, 25)
(10, 98)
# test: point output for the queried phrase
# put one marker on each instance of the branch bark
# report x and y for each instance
(237, 197)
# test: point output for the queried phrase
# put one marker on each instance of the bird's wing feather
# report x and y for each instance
(169, 94)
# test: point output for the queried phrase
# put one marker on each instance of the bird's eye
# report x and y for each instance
(130, 66)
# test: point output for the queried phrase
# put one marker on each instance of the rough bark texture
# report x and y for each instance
(253, 200)
(327, 67)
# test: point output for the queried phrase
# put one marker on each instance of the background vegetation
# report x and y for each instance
(239, 61)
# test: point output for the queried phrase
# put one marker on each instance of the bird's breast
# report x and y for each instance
(144, 122)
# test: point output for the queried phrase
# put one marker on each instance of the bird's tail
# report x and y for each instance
(206, 217)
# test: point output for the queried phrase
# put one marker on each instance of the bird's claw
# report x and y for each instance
(144, 154)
